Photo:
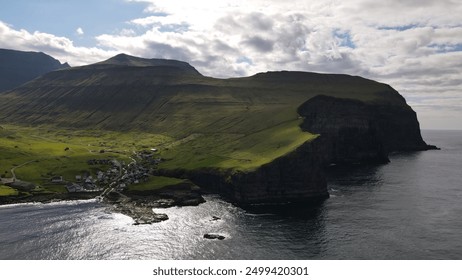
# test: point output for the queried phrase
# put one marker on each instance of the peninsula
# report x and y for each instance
(138, 125)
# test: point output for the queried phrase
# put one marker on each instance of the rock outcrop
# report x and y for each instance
(213, 236)
(141, 214)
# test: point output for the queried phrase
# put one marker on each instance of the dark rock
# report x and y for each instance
(138, 211)
(140, 214)
(213, 236)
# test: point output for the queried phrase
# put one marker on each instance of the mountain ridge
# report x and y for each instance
(19, 67)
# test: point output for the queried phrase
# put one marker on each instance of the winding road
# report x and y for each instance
(14, 168)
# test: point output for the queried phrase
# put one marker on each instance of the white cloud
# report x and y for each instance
(60, 48)
(414, 45)
(80, 31)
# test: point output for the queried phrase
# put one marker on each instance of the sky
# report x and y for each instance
(413, 45)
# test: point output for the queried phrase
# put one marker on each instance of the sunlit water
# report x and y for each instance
(408, 209)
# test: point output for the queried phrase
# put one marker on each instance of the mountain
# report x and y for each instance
(252, 139)
(17, 67)
(124, 60)
(164, 96)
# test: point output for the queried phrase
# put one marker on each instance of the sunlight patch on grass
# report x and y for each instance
(237, 151)
(7, 191)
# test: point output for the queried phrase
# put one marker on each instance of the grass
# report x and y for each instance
(54, 189)
(155, 183)
(37, 154)
(236, 151)
(40, 153)
(7, 191)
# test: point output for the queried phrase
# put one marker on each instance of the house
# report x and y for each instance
(74, 188)
(121, 187)
(57, 179)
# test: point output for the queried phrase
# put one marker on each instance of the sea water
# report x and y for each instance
(410, 208)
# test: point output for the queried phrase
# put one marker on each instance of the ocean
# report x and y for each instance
(410, 208)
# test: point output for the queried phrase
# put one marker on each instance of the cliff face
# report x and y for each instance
(350, 131)
(353, 132)
(295, 177)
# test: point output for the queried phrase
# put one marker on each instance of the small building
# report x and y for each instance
(57, 179)
(78, 178)
(74, 188)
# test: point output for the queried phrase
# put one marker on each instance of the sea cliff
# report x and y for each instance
(352, 131)
(295, 177)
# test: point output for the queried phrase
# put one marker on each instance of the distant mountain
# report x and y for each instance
(18, 67)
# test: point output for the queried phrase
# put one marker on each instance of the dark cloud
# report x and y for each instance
(228, 25)
(249, 22)
(259, 44)
(258, 22)
(222, 47)
(161, 50)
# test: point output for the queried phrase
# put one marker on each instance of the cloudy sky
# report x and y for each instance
(413, 45)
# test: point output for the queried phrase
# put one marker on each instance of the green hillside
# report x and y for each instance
(198, 121)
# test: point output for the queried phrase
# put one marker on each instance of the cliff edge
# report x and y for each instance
(352, 131)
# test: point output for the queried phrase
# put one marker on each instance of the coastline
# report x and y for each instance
(136, 205)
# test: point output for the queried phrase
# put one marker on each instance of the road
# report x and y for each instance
(14, 168)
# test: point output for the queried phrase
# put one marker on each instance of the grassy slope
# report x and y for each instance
(43, 151)
(195, 121)
(235, 151)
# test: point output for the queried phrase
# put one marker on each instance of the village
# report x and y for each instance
(118, 176)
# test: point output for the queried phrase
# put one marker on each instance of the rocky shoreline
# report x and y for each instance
(136, 205)
(139, 205)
